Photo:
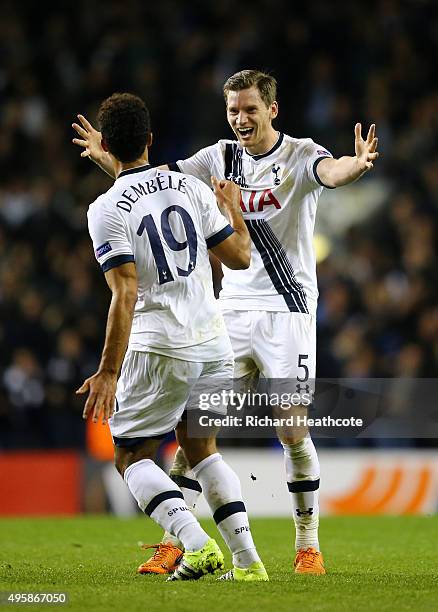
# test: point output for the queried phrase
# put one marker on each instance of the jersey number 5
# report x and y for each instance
(191, 242)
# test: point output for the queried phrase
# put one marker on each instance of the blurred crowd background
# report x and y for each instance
(336, 63)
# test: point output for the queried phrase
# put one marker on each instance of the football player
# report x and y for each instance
(151, 233)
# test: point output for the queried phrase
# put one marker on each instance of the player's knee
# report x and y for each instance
(124, 457)
(122, 461)
(120, 465)
(181, 434)
(290, 437)
(197, 449)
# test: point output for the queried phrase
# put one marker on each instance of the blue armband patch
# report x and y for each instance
(104, 248)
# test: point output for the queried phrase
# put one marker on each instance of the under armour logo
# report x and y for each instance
(276, 170)
(308, 512)
(300, 388)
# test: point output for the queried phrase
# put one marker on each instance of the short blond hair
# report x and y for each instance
(265, 83)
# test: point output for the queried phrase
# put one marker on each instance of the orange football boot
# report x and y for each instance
(309, 561)
(165, 560)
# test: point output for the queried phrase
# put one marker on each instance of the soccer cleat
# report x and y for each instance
(196, 564)
(309, 561)
(254, 573)
(164, 561)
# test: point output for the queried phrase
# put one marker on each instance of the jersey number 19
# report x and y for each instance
(164, 273)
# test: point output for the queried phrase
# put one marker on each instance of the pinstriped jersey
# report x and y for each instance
(279, 196)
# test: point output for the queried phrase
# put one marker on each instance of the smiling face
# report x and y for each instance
(251, 120)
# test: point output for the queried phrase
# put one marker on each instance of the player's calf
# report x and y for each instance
(302, 472)
(159, 498)
(221, 488)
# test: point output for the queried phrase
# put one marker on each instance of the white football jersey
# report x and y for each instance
(280, 191)
(165, 222)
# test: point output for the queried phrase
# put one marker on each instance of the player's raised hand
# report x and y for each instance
(90, 139)
(227, 193)
(91, 142)
(101, 389)
(366, 150)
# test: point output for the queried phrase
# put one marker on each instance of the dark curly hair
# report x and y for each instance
(125, 125)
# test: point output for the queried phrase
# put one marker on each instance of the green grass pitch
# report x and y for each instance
(373, 563)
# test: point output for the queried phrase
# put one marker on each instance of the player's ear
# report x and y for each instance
(104, 145)
(274, 110)
(149, 140)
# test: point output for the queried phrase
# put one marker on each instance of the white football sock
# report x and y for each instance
(159, 498)
(221, 488)
(182, 475)
(302, 472)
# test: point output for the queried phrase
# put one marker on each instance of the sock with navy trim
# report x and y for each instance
(221, 488)
(182, 475)
(159, 497)
(302, 472)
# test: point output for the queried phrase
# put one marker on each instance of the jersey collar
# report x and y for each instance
(274, 148)
(134, 170)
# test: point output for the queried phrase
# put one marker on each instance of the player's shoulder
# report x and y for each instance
(305, 146)
(102, 203)
(192, 184)
(223, 142)
(298, 143)
(98, 204)
(226, 143)
(221, 145)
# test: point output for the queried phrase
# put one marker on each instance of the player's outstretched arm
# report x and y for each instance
(101, 387)
(90, 141)
(234, 251)
(345, 170)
